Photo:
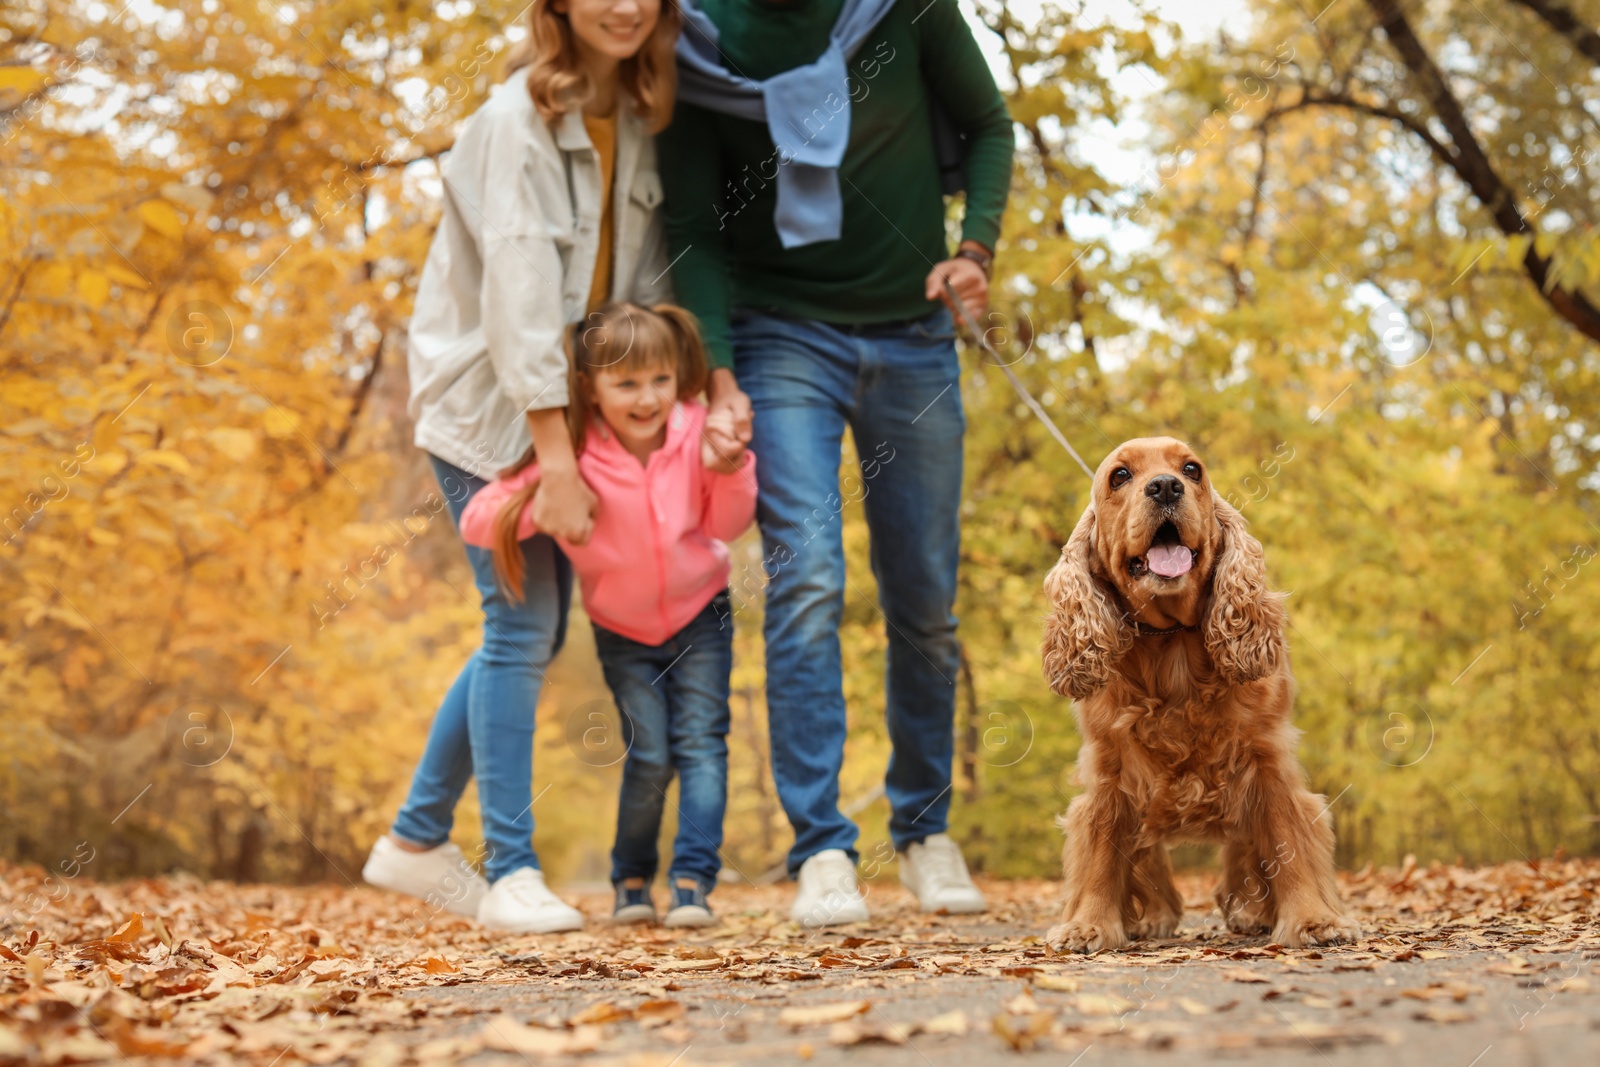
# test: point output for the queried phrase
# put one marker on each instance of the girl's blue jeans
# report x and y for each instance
(485, 724)
(673, 698)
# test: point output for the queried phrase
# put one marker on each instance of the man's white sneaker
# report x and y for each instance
(521, 903)
(934, 870)
(828, 894)
(441, 876)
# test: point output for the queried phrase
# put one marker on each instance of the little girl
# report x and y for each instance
(654, 575)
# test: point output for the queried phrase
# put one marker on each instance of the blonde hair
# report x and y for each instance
(558, 84)
(622, 336)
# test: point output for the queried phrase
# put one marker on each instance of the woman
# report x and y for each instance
(551, 208)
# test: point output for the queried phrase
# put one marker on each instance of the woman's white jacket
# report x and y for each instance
(511, 265)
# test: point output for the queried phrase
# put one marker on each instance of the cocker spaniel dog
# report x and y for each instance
(1164, 632)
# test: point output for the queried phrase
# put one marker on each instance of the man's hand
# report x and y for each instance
(969, 282)
(728, 415)
(714, 456)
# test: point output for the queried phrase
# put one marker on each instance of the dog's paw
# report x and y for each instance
(1247, 922)
(1154, 926)
(1320, 930)
(1080, 936)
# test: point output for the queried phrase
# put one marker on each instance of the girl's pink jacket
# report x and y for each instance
(657, 555)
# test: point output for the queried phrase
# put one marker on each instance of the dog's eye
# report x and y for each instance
(1191, 470)
(1120, 477)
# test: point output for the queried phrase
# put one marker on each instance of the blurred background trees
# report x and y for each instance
(1355, 265)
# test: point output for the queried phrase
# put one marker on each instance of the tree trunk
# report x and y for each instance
(247, 861)
(968, 738)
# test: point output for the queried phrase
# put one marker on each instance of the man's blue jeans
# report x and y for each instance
(485, 725)
(897, 388)
(673, 698)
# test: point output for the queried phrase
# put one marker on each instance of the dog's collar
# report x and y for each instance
(1144, 629)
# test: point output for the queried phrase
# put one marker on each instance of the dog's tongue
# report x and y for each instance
(1169, 561)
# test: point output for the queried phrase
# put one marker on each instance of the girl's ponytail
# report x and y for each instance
(508, 565)
(692, 372)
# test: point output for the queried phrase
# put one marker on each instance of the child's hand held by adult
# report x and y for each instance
(724, 397)
(721, 451)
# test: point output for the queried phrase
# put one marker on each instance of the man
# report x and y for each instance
(806, 219)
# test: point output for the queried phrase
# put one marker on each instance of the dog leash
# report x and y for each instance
(1011, 376)
(1143, 629)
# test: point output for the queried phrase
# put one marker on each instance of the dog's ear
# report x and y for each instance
(1243, 624)
(1085, 633)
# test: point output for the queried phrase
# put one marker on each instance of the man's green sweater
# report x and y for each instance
(719, 172)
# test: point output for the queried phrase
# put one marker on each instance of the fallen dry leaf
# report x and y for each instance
(1022, 1004)
(1456, 991)
(1241, 974)
(697, 952)
(653, 1013)
(1322, 1037)
(1102, 1004)
(1515, 966)
(160, 930)
(76, 1048)
(35, 967)
(953, 1023)
(670, 966)
(134, 1040)
(811, 1015)
(507, 1035)
(601, 1012)
(12, 1045)
(1022, 1032)
(858, 1031)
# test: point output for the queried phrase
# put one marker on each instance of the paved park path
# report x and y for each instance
(1460, 968)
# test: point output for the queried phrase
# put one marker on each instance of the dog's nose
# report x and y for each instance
(1164, 489)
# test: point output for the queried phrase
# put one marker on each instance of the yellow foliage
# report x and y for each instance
(94, 286)
(162, 217)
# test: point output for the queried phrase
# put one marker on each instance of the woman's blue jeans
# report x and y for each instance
(485, 725)
(897, 388)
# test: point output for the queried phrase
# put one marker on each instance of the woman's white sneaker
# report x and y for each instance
(441, 876)
(934, 870)
(828, 893)
(521, 903)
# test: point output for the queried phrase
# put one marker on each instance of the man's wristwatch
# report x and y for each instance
(983, 259)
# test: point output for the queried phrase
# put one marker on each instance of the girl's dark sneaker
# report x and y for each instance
(633, 903)
(689, 904)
